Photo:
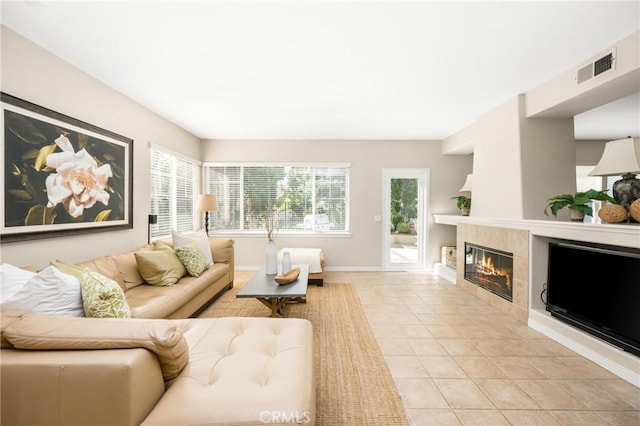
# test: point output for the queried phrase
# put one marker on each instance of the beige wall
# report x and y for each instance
(33, 74)
(561, 96)
(589, 152)
(362, 250)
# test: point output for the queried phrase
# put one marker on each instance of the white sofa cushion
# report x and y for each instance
(199, 237)
(48, 292)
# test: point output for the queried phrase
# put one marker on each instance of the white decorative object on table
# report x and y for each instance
(286, 262)
(270, 217)
(272, 258)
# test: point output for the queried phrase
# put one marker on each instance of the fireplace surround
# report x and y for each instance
(509, 242)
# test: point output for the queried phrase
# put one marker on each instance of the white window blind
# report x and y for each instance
(172, 195)
(307, 198)
(584, 182)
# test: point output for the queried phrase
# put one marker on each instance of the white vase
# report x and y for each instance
(286, 262)
(272, 258)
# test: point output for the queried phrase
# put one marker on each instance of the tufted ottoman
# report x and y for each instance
(242, 371)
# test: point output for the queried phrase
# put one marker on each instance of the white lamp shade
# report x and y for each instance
(467, 184)
(207, 203)
(619, 157)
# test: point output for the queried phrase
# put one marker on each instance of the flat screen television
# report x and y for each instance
(596, 288)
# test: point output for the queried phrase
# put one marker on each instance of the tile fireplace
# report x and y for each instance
(504, 249)
(490, 269)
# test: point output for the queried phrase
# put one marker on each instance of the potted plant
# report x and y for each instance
(464, 204)
(578, 203)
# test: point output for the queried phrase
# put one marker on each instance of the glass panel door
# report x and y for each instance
(404, 232)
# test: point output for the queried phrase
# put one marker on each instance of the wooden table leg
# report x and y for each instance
(276, 304)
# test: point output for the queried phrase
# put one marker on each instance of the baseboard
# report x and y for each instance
(446, 272)
(622, 364)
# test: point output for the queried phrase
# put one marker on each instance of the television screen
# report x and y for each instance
(597, 288)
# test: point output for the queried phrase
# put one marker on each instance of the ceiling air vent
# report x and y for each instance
(603, 64)
(595, 68)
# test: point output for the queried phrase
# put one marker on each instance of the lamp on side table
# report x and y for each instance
(207, 203)
(153, 219)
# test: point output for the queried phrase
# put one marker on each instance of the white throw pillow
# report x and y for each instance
(48, 292)
(13, 278)
(199, 237)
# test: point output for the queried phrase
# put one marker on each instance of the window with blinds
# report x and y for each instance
(584, 182)
(308, 198)
(172, 188)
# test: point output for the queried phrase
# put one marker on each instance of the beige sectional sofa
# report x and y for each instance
(70, 371)
(160, 367)
(180, 300)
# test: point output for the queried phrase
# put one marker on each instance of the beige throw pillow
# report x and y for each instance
(160, 266)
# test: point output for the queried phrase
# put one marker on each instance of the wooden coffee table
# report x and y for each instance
(276, 296)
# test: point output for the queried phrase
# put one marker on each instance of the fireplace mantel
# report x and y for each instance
(626, 235)
(541, 232)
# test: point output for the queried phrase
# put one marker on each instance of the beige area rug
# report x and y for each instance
(354, 385)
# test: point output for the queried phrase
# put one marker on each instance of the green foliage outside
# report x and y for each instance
(404, 202)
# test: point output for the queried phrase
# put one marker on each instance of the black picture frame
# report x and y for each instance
(62, 176)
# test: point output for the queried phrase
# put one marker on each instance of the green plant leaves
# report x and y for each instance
(462, 201)
(39, 215)
(20, 194)
(43, 153)
(23, 129)
(579, 201)
(102, 216)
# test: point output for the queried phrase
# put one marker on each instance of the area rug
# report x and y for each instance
(354, 385)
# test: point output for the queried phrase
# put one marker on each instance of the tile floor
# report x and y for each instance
(458, 361)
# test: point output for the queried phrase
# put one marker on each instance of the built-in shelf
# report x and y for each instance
(626, 235)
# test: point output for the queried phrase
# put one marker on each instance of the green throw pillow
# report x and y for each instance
(160, 266)
(193, 259)
(69, 269)
(102, 297)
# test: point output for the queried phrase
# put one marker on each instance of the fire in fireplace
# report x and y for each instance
(490, 269)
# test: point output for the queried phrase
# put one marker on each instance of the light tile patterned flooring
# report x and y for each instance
(458, 361)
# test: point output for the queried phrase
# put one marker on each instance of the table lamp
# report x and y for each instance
(621, 157)
(153, 219)
(207, 203)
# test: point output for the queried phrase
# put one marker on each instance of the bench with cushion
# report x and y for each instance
(314, 257)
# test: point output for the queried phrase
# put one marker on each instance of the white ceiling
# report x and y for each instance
(331, 69)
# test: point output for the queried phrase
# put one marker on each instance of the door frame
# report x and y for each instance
(423, 207)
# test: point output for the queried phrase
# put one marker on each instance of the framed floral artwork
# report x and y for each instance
(62, 176)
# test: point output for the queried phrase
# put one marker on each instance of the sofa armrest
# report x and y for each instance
(222, 250)
(161, 337)
(107, 387)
